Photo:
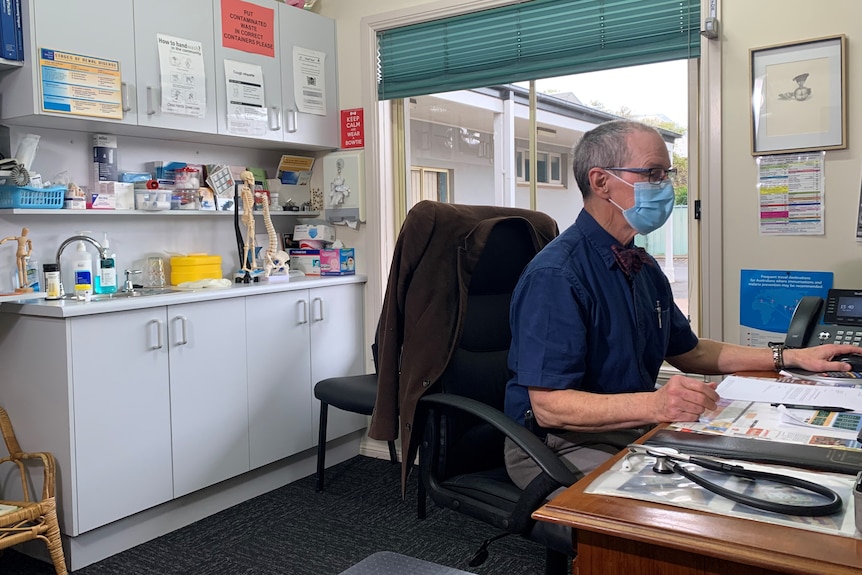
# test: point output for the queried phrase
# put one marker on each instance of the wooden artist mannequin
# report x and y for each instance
(25, 248)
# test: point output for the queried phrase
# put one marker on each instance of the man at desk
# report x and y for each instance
(593, 318)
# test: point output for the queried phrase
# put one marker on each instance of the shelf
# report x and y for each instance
(149, 213)
(10, 64)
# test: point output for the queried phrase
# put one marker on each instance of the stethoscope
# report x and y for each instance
(668, 461)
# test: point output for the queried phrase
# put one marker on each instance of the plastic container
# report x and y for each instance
(195, 267)
(32, 198)
(82, 268)
(187, 178)
(152, 200)
(52, 280)
(106, 279)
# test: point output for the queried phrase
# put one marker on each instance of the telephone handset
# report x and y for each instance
(841, 316)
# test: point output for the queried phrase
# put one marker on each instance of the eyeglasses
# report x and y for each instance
(655, 175)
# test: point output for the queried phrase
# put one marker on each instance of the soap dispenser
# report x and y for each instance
(83, 271)
(106, 278)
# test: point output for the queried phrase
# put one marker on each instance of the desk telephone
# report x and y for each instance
(841, 316)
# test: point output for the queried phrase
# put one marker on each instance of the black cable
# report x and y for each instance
(832, 506)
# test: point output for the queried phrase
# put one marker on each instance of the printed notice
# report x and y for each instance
(308, 85)
(248, 27)
(246, 104)
(181, 66)
(767, 299)
(790, 188)
(80, 85)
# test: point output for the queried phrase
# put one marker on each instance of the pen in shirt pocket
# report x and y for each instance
(658, 312)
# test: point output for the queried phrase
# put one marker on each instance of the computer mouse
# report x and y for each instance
(854, 359)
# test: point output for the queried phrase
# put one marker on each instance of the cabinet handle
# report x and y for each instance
(317, 303)
(184, 339)
(302, 312)
(291, 120)
(274, 119)
(159, 342)
(150, 109)
(124, 97)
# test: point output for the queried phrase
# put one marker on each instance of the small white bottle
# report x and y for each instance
(106, 278)
(82, 268)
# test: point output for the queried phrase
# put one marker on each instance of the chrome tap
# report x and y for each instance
(103, 253)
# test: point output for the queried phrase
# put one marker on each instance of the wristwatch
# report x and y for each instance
(777, 354)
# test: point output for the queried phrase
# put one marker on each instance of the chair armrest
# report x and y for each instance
(48, 465)
(546, 459)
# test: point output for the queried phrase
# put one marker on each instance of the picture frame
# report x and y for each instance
(799, 96)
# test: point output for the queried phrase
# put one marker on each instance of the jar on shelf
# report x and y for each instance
(187, 178)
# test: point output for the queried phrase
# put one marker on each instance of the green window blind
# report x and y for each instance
(534, 39)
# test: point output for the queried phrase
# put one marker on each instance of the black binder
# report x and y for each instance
(836, 460)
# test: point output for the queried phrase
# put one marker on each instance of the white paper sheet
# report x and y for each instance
(183, 78)
(246, 104)
(309, 68)
(764, 390)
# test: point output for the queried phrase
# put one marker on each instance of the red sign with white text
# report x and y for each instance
(248, 27)
(352, 129)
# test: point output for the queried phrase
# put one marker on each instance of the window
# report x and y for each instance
(548, 167)
(429, 184)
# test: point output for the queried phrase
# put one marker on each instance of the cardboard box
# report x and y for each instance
(340, 262)
(307, 261)
(113, 196)
(313, 232)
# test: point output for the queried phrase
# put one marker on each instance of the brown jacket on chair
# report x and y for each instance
(436, 252)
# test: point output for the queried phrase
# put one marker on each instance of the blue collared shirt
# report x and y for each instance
(578, 323)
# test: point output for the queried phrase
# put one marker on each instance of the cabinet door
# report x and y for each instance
(337, 348)
(270, 66)
(209, 401)
(279, 372)
(121, 414)
(191, 21)
(97, 28)
(311, 32)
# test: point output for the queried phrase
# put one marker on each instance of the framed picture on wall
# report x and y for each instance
(799, 96)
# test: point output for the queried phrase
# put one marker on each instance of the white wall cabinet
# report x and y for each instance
(126, 31)
(308, 31)
(121, 415)
(143, 406)
(296, 339)
(209, 401)
(186, 21)
(99, 28)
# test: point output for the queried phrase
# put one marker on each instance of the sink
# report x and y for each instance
(137, 292)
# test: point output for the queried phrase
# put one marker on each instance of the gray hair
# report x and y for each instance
(603, 146)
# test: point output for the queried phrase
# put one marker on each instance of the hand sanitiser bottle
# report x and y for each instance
(83, 271)
(106, 279)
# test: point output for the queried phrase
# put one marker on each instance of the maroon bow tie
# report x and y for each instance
(630, 260)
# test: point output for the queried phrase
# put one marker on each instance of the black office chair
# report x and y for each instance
(461, 454)
(354, 393)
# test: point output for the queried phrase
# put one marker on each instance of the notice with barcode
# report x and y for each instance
(308, 80)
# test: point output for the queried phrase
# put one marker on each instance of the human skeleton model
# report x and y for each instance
(338, 189)
(25, 248)
(270, 252)
(249, 263)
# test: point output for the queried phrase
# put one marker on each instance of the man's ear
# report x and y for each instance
(598, 182)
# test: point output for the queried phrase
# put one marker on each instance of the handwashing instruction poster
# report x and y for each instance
(767, 299)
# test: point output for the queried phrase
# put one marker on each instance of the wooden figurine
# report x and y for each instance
(25, 248)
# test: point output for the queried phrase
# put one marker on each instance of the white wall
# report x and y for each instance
(746, 25)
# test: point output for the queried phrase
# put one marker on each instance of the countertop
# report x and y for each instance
(72, 308)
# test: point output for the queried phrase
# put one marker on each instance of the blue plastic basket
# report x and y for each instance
(31, 198)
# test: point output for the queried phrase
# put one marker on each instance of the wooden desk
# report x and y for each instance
(618, 535)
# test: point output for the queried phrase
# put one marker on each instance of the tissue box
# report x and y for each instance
(307, 261)
(340, 262)
(313, 232)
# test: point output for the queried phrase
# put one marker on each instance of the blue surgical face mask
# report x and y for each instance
(653, 205)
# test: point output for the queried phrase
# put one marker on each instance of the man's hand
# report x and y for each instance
(683, 399)
(819, 357)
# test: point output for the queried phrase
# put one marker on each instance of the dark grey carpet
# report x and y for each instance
(296, 531)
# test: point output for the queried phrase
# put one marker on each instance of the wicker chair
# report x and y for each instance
(30, 519)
